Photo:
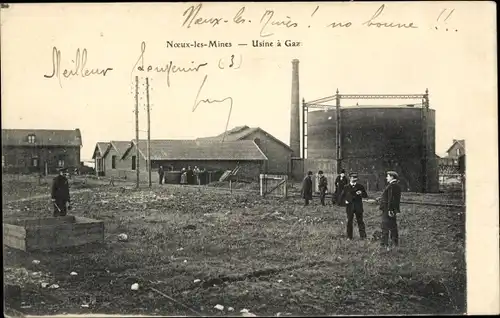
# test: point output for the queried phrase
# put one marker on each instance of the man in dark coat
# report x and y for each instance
(389, 206)
(340, 183)
(60, 194)
(322, 186)
(352, 195)
(190, 175)
(307, 189)
(161, 173)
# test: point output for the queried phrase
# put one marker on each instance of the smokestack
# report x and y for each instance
(295, 111)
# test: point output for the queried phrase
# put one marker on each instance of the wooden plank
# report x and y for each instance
(28, 222)
(15, 242)
(65, 235)
(50, 233)
(13, 229)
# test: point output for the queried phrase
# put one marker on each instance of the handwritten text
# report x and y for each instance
(167, 68)
(79, 66)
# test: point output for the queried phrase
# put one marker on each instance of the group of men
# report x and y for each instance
(188, 176)
(350, 193)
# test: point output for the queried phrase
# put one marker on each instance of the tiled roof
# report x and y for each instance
(120, 146)
(241, 132)
(43, 137)
(100, 147)
(244, 150)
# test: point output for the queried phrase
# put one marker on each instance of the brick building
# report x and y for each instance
(40, 150)
(111, 162)
(177, 154)
(277, 152)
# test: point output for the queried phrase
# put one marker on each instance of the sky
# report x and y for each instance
(365, 60)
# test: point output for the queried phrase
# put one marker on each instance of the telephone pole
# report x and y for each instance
(149, 132)
(137, 131)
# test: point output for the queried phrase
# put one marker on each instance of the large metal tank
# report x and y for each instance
(377, 139)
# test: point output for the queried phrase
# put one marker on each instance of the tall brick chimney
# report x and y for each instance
(295, 111)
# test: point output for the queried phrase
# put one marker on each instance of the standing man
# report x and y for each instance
(189, 175)
(352, 196)
(323, 187)
(307, 188)
(340, 183)
(389, 206)
(60, 194)
(161, 173)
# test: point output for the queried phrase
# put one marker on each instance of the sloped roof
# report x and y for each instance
(120, 146)
(43, 137)
(240, 132)
(243, 150)
(100, 147)
(460, 142)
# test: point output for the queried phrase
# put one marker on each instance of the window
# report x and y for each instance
(458, 152)
(60, 163)
(31, 139)
(113, 162)
(34, 162)
(133, 162)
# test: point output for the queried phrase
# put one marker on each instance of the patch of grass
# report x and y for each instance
(268, 255)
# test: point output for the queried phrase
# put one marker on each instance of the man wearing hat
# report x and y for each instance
(60, 194)
(352, 195)
(307, 189)
(389, 206)
(322, 186)
(340, 183)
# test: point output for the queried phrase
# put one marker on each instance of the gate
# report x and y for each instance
(275, 185)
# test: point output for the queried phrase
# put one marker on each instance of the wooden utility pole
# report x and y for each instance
(338, 132)
(149, 132)
(137, 131)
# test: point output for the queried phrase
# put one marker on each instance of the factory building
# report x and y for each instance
(369, 140)
(174, 155)
(277, 152)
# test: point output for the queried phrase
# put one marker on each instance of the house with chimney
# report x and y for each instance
(173, 155)
(277, 152)
(40, 150)
(456, 149)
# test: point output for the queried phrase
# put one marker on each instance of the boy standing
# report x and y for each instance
(352, 196)
(389, 206)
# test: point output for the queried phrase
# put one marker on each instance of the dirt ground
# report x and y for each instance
(192, 248)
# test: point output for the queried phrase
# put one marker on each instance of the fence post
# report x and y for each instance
(285, 184)
(261, 177)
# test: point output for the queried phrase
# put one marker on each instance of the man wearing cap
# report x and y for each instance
(307, 189)
(340, 183)
(60, 194)
(389, 206)
(322, 186)
(352, 196)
